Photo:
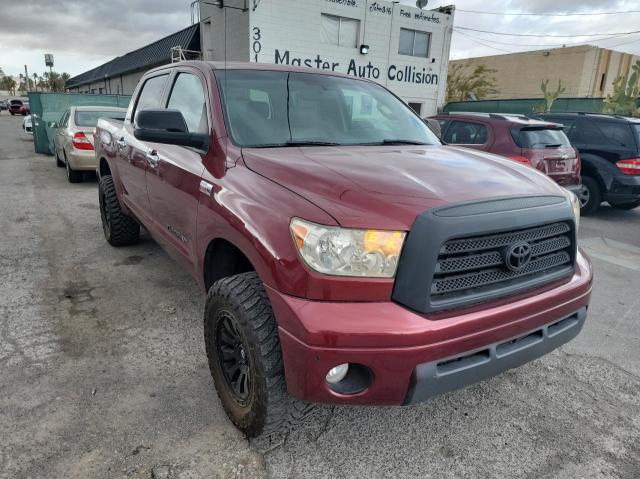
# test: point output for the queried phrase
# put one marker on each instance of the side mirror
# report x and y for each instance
(52, 124)
(169, 127)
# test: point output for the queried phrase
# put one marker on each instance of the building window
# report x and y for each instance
(417, 107)
(414, 43)
(340, 31)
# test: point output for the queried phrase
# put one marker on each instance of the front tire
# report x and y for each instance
(590, 196)
(119, 229)
(245, 360)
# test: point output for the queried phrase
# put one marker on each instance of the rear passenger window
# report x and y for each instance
(617, 134)
(187, 96)
(586, 132)
(151, 94)
(465, 133)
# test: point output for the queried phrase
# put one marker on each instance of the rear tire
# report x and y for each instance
(73, 176)
(59, 162)
(241, 337)
(590, 196)
(119, 229)
(626, 206)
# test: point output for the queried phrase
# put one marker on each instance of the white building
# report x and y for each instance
(404, 48)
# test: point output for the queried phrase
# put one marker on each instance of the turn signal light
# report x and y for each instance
(81, 142)
(630, 166)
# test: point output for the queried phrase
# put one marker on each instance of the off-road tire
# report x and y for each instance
(269, 413)
(59, 162)
(119, 228)
(595, 196)
(626, 206)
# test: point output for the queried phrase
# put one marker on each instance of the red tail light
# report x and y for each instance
(81, 142)
(521, 159)
(630, 166)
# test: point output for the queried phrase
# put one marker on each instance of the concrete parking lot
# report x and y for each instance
(103, 371)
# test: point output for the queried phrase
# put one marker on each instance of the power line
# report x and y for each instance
(485, 44)
(540, 44)
(546, 14)
(624, 43)
(548, 34)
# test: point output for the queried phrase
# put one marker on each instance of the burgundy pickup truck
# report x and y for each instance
(348, 256)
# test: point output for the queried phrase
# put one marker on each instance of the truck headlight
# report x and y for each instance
(347, 251)
(575, 203)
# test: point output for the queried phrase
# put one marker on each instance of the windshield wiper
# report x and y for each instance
(388, 141)
(295, 143)
(310, 143)
(556, 145)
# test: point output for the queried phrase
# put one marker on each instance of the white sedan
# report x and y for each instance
(27, 125)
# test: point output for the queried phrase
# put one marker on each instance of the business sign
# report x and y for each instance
(48, 59)
(396, 73)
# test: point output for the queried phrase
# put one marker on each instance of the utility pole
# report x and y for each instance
(26, 78)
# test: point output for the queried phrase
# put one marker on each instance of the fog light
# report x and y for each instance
(337, 374)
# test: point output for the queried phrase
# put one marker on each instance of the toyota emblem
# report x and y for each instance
(518, 256)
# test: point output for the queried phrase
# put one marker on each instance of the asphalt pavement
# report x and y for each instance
(103, 372)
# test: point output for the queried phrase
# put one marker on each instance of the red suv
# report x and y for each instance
(540, 144)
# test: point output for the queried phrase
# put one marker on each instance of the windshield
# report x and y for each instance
(272, 108)
(90, 118)
(541, 138)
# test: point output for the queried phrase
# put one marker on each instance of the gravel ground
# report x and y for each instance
(103, 371)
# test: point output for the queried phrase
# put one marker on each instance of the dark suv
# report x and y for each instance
(609, 147)
(536, 143)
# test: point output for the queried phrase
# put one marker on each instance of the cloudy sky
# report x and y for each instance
(85, 33)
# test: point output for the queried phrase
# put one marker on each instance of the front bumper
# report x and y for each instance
(402, 347)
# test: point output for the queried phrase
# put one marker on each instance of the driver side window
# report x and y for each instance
(187, 96)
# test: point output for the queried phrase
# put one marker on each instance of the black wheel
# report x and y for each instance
(119, 229)
(59, 162)
(243, 349)
(626, 206)
(590, 195)
(73, 176)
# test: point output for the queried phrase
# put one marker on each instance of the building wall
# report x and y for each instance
(290, 32)
(580, 68)
(224, 32)
(120, 85)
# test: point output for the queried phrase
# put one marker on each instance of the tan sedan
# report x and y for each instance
(73, 140)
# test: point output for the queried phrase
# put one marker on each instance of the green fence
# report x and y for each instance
(525, 106)
(48, 107)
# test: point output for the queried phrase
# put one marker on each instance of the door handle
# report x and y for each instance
(121, 143)
(153, 158)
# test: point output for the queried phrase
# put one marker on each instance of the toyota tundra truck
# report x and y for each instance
(347, 255)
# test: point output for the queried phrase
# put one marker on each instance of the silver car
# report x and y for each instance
(73, 138)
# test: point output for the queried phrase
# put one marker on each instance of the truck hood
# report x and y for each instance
(388, 186)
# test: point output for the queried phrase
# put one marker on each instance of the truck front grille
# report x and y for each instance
(487, 263)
